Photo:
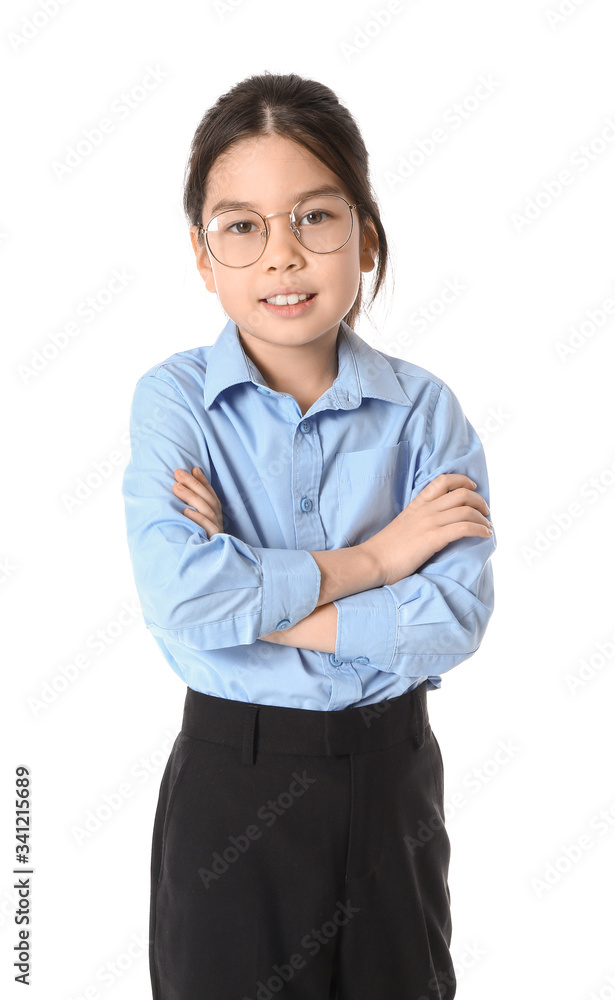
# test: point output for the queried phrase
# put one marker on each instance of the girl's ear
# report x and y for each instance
(203, 261)
(369, 247)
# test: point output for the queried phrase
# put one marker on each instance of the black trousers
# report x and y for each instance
(301, 855)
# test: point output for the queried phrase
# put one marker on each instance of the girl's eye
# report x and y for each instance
(315, 216)
(241, 228)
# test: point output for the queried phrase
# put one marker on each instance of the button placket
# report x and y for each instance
(306, 478)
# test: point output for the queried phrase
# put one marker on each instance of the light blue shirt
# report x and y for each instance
(290, 483)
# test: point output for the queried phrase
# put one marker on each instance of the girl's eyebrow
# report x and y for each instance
(225, 204)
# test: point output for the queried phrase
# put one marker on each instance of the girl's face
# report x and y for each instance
(271, 173)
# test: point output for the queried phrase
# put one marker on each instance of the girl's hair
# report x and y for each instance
(304, 111)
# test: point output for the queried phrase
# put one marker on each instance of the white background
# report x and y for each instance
(545, 419)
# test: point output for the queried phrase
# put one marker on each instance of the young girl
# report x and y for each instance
(307, 521)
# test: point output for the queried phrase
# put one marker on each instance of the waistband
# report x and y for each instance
(274, 729)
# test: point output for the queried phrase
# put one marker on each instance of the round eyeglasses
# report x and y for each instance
(322, 224)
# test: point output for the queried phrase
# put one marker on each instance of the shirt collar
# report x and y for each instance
(362, 371)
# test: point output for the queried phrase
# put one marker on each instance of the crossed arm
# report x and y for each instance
(318, 631)
(342, 572)
(437, 516)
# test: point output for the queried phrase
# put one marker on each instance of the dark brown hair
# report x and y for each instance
(306, 112)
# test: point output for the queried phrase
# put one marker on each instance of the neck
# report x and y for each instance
(302, 370)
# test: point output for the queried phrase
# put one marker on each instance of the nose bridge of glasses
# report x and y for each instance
(292, 226)
(272, 214)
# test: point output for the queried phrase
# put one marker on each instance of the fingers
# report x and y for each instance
(452, 532)
(196, 481)
(206, 523)
(446, 482)
(197, 484)
(462, 497)
(460, 509)
(453, 489)
(197, 492)
(462, 505)
(193, 488)
(472, 518)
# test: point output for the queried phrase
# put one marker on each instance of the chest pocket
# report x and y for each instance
(371, 489)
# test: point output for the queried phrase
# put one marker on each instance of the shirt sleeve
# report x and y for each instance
(435, 618)
(206, 593)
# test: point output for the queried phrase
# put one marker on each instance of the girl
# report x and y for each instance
(311, 556)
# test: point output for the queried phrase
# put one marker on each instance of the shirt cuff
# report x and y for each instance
(291, 586)
(367, 628)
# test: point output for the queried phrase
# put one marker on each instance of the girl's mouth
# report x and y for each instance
(292, 308)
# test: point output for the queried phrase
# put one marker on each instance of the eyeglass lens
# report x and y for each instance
(236, 237)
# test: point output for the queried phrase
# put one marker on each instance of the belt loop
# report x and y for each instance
(420, 716)
(248, 746)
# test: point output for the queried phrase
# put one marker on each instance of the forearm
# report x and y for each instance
(318, 631)
(344, 572)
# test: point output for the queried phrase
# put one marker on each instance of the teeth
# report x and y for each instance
(286, 300)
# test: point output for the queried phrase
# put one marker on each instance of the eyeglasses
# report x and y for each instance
(322, 224)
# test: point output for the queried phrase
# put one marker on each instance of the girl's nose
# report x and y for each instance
(282, 244)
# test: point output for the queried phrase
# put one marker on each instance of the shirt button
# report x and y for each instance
(361, 659)
(262, 388)
(283, 624)
(333, 660)
(305, 426)
(306, 504)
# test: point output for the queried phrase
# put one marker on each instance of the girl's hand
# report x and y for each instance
(196, 491)
(445, 510)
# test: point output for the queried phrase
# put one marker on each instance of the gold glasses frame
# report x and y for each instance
(292, 225)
